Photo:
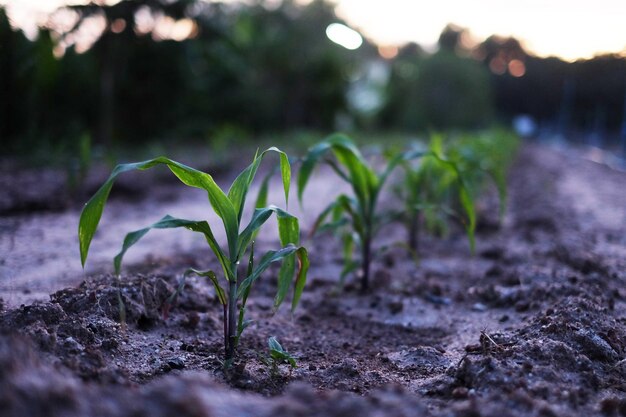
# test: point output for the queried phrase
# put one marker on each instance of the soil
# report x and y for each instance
(534, 324)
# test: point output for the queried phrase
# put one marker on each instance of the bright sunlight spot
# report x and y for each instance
(344, 36)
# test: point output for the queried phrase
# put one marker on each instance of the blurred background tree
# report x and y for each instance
(256, 68)
(440, 91)
(171, 70)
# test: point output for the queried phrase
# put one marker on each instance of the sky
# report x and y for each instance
(569, 29)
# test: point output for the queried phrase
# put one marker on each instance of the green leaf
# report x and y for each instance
(465, 198)
(265, 261)
(288, 228)
(349, 265)
(279, 354)
(349, 206)
(92, 212)
(467, 203)
(219, 291)
(303, 268)
(289, 234)
(261, 198)
(362, 178)
(285, 277)
(347, 154)
(310, 160)
(499, 179)
(274, 344)
(169, 222)
(239, 189)
(342, 212)
(335, 167)
(348, 247)
(285, 173)
(250, 266)
(243, 326)
(322, 217)
(392, 164)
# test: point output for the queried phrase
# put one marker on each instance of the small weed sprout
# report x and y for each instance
(229, 207)
(277, 356)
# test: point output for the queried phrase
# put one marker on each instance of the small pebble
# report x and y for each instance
(176, 363)
(479, 307)
(72, 345)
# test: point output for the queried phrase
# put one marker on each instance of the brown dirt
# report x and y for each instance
(533, 325)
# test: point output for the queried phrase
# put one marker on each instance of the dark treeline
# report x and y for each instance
(254, 69)
(586, 95)
(247, 68)
(460, 86)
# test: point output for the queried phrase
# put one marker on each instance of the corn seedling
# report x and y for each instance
(485, 158)
(452, 174)
(229, 207)
(355, 216)
(434, 187)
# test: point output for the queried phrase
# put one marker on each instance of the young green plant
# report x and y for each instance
(447, 182)
(278, 355)
(483, 158)
(359, 211)
(239, 239)
(435, 187)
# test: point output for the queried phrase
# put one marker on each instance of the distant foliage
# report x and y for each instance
(440, 91)
(42, 99)
(263, 67)
(251, 66)
(454, 93)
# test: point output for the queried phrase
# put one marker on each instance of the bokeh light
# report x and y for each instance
(344, 36)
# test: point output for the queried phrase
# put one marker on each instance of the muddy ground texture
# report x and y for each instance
(533, 325)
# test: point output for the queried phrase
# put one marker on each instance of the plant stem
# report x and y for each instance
(225, 331)
(365, 262)
(414, 231)
(232, 316)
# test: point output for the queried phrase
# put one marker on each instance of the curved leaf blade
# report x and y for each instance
(361, 177)
(303, 268)
(219, 291)
(288, 228)
(310, 160)
(289, 234)
(265, 261)
(239, 189)
(465, 198)
(92, 212)
(169, 222)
